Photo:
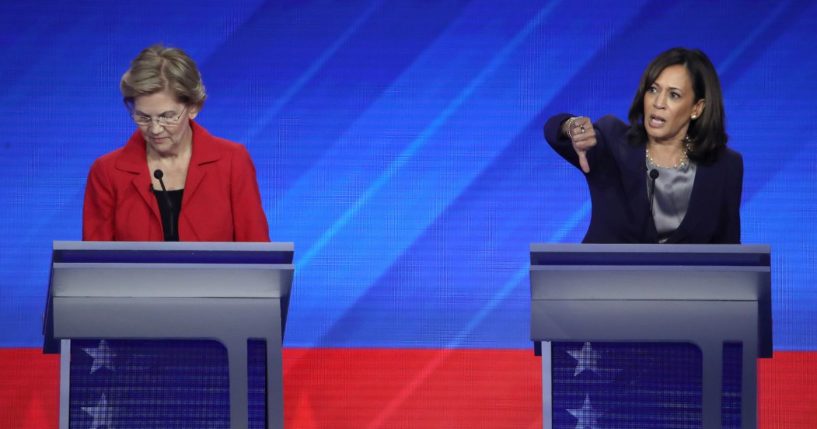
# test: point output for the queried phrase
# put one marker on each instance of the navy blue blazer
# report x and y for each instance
(618, 190)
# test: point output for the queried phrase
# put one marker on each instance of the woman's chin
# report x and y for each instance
(161, 145)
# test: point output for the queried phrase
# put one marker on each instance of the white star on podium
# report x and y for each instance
(102, 414)
(586, 359)
(102, 355)
(586, 416)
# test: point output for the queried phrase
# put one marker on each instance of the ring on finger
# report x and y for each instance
(571, 125)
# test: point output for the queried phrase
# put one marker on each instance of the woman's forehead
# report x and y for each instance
(158, 102)
(675, 76)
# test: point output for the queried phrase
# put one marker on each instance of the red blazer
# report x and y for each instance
(221, 201)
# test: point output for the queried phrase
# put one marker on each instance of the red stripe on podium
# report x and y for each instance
(399, 388)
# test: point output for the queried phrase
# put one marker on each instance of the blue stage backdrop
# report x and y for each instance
(399, 143)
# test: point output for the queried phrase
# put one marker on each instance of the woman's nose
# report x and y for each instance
(659, 101)
(154, 127)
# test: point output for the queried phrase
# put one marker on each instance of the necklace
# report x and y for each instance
(682, 163)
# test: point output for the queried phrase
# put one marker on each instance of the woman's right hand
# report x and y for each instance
(579, 129)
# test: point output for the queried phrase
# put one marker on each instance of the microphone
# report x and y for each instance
(158, 174)
(653, 175)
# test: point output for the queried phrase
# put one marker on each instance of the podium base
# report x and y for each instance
(629, 385)
(159, 383)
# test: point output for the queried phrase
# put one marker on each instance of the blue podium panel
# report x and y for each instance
(637, 385)
(147, 384)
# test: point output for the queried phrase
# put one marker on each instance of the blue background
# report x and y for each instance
(399, 143)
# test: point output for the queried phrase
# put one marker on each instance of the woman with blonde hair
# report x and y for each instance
(172, 180)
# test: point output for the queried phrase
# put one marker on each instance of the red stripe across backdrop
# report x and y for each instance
(399, 388)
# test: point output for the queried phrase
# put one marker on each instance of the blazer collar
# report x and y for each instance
(635, 186)
(205, 151)
(706, 191)
(134, 160)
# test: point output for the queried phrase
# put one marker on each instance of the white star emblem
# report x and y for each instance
(586, 359)
(102, 355)
(586, 416)
(102, 414)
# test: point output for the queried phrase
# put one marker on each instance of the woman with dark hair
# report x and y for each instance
(667, 176)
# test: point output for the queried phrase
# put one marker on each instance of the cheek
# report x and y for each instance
(682, 112)
(178, 132)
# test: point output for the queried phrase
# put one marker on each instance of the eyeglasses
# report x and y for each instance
(164, 120)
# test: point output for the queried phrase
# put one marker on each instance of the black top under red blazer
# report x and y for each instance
(618, 190)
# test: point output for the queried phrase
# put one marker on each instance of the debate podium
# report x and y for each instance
(706, 295)
(227, 292)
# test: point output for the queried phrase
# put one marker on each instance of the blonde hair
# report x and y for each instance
(160, 68)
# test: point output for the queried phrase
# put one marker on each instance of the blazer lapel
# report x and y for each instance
(204, 152)
(706, 190)
(635, 185)
(134, 161)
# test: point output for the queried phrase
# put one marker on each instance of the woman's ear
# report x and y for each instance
(698, 108)
(193, 112)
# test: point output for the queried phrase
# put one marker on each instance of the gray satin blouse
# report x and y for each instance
(673, 188)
